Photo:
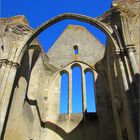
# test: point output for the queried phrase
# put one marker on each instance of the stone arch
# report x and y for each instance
(92, 21)
(76, 65)
(64, 71)
(88, 69)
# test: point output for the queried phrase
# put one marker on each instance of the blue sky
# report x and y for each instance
(39, 11)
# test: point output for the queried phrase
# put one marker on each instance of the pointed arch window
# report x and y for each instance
(90, 95)
(76, 89)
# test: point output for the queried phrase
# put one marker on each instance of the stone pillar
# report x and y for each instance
(129, 43)
(122, 71)
(5, 91)
(9, 70)
(125, 94)
(128, 69)
(130, 52)
(2, 71)
(3, 77)
(6, 88)
(84, 103)
(70, 93)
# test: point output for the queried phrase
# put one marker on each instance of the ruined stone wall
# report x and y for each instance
(130, 24)
(63, 48)
(30, 84)
(35, 90)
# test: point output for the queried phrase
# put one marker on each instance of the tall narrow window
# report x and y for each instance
(64, 93)
(91, 107)
(75, 47)
(76, 90)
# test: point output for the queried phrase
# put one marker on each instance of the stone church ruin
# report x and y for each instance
(30, 79)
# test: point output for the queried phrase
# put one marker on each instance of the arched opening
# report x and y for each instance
(90, 95)
(56, 30)
(64, 92)
(59, 18)
(76, 89)
(76, 51)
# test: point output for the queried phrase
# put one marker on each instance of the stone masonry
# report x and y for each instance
(30, 79)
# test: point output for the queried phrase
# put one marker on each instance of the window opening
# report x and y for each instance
(76, 90)
(91, 107)
(75, 47)
(64, 93)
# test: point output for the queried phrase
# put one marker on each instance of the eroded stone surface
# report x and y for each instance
(30, 85)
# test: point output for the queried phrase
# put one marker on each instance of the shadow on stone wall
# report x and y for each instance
(22, 71)
(86, 129)
(133, 96)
